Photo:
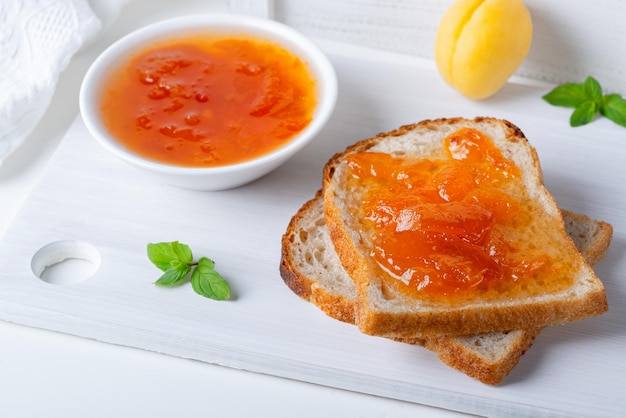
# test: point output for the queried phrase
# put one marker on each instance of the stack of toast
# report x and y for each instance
(327, 260)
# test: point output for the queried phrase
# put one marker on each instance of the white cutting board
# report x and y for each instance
(88, 195)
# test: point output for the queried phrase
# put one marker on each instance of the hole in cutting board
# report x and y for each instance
(66, 262)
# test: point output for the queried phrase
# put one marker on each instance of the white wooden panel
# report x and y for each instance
(259, 8)
(572, 39)
(86, 194)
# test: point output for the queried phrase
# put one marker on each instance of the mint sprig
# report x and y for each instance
(587, 100)
(176, 262)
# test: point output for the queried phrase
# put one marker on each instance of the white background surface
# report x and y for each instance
(43, 373)
(69, 376)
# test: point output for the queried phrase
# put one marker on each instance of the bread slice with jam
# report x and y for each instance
(311, 269)
(446, 228)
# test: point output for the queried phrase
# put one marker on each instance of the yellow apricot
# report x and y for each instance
(480, 44)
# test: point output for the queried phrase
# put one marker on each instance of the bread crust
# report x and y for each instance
(334, 305)
(454, 353)
(382, 311)
(592, 238)
(591, 234)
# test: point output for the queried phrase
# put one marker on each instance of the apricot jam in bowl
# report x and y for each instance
(208, 102)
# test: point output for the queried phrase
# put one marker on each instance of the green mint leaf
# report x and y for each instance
(567, 95)
(208, 282)
(183, 252)
(161, 254)
(176, 261)
(586, 98)
(174, 275)
(592, 88)
(178, 265)
(583, 114)
(613, 107)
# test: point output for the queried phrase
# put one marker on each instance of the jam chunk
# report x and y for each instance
(208, 100)
(454, 224)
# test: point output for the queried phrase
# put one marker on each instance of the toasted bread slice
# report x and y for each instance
(383, 308)
(312, 269)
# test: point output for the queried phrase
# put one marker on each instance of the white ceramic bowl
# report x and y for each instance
(222, 177)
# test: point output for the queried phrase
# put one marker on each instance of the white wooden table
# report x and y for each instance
(86, 194)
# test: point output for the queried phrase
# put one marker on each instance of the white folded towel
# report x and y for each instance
(37, 40)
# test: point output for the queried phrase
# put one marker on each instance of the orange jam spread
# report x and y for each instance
(208, 101)
(458, 225)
